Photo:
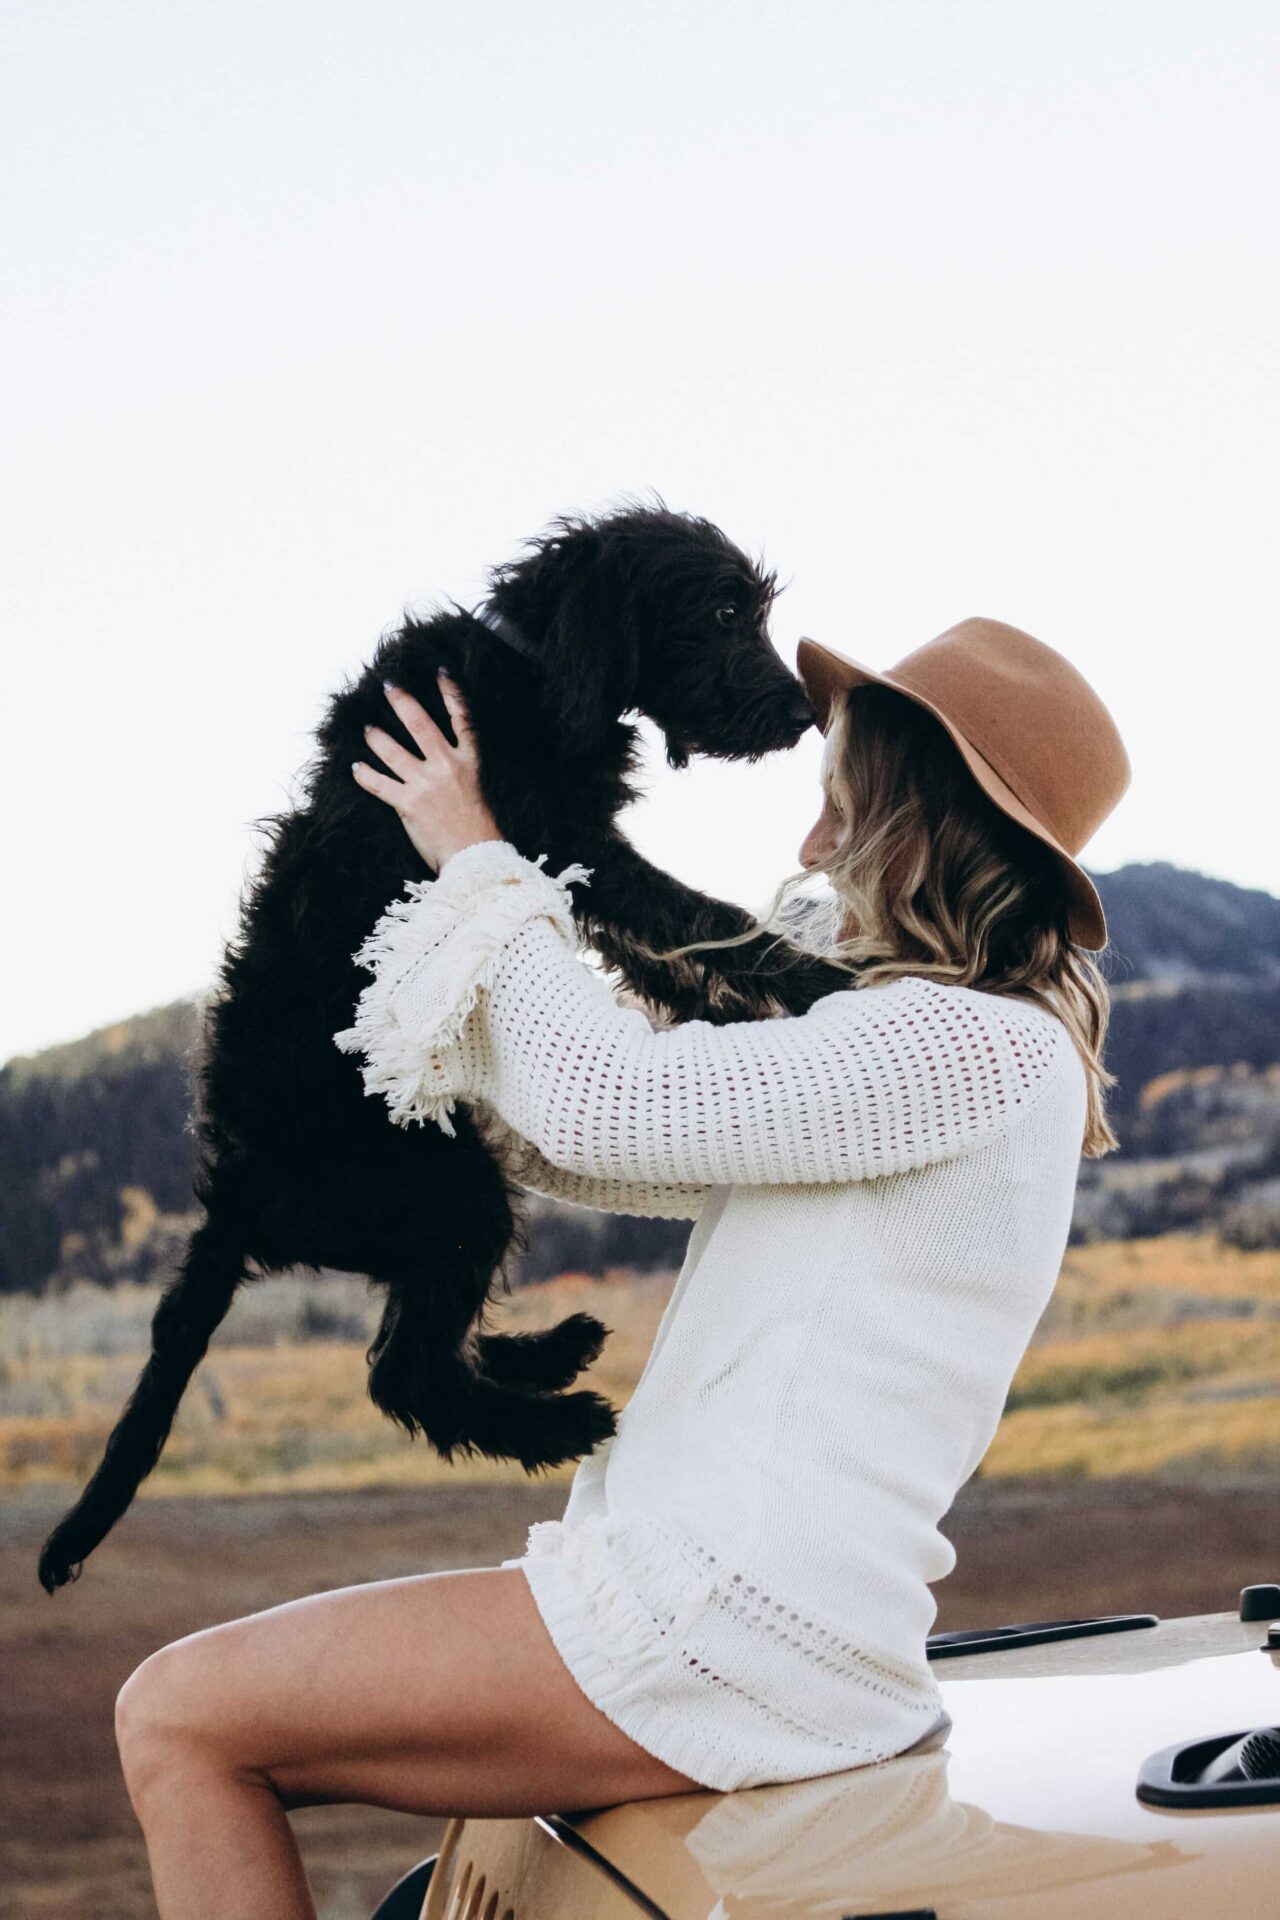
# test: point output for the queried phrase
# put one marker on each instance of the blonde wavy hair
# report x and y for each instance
(932, 879)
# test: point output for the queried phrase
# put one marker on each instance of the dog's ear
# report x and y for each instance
(591, 652)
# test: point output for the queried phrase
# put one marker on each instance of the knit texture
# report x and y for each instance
(881, 1190)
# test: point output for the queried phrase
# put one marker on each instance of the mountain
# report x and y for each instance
(162, 1035)
(1193, 965)
(1179, 928)
(96, 1150)
(1194, 1040)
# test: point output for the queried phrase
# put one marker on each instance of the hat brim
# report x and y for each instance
(824, 674)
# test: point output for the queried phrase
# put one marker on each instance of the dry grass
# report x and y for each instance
(1156, 1282)
(1155, 1357)
(265, 1416)
(1164, 1436)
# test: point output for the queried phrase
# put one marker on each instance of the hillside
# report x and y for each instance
(1194, 1042)
(1183, 929)
(96, 1151)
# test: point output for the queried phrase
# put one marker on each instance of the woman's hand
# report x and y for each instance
(437, 797)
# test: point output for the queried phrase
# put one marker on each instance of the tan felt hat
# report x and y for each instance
(1033, 732)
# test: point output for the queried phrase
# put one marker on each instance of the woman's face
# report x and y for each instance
(827, 831)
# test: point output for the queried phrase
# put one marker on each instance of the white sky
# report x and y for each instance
(309, 312)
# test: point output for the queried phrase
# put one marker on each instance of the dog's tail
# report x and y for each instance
(189, 1311)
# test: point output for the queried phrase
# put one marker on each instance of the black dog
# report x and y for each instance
(643, 610)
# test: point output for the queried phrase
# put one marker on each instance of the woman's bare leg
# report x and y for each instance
(434, 1694)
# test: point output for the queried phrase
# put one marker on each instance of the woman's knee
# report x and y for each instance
(159, 1715)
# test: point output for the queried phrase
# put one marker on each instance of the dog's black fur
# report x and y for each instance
(643, 609)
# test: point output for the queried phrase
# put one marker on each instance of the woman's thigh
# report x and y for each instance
(437, 1693)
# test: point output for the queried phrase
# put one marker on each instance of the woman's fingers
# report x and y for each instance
(456, 707)
(382, 784)
(414, 717)
(388, 749)
(423, 730)
(416, 721)
(420, 725)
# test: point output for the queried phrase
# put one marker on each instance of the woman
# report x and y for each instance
(882, 1188)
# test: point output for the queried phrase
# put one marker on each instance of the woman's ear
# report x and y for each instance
(590, 654)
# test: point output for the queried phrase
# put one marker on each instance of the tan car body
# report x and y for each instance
(1024, 1810)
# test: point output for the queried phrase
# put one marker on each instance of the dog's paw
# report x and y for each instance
(544, 1361)
(563, 1427)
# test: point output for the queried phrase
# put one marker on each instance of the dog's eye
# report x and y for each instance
(726, 616)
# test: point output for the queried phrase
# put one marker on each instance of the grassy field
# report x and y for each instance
(1155, 1357)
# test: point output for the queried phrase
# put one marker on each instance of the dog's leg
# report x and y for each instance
(338, 1220)
(433, 1368)
(627, 896)
(545, 1360)
(426, 1383)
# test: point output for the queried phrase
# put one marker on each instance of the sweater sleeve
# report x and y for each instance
(479, 993)
(652, 1199)
(415, 1022)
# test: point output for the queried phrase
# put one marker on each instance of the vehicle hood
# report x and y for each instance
(1027, 1809)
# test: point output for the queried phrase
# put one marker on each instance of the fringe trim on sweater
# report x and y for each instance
(598, 1551)
(409, 1030)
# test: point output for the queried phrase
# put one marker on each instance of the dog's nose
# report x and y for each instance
(801, 711)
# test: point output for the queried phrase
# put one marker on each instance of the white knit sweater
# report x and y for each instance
(882, 1189)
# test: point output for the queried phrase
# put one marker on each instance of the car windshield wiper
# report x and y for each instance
(1026, 1634)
